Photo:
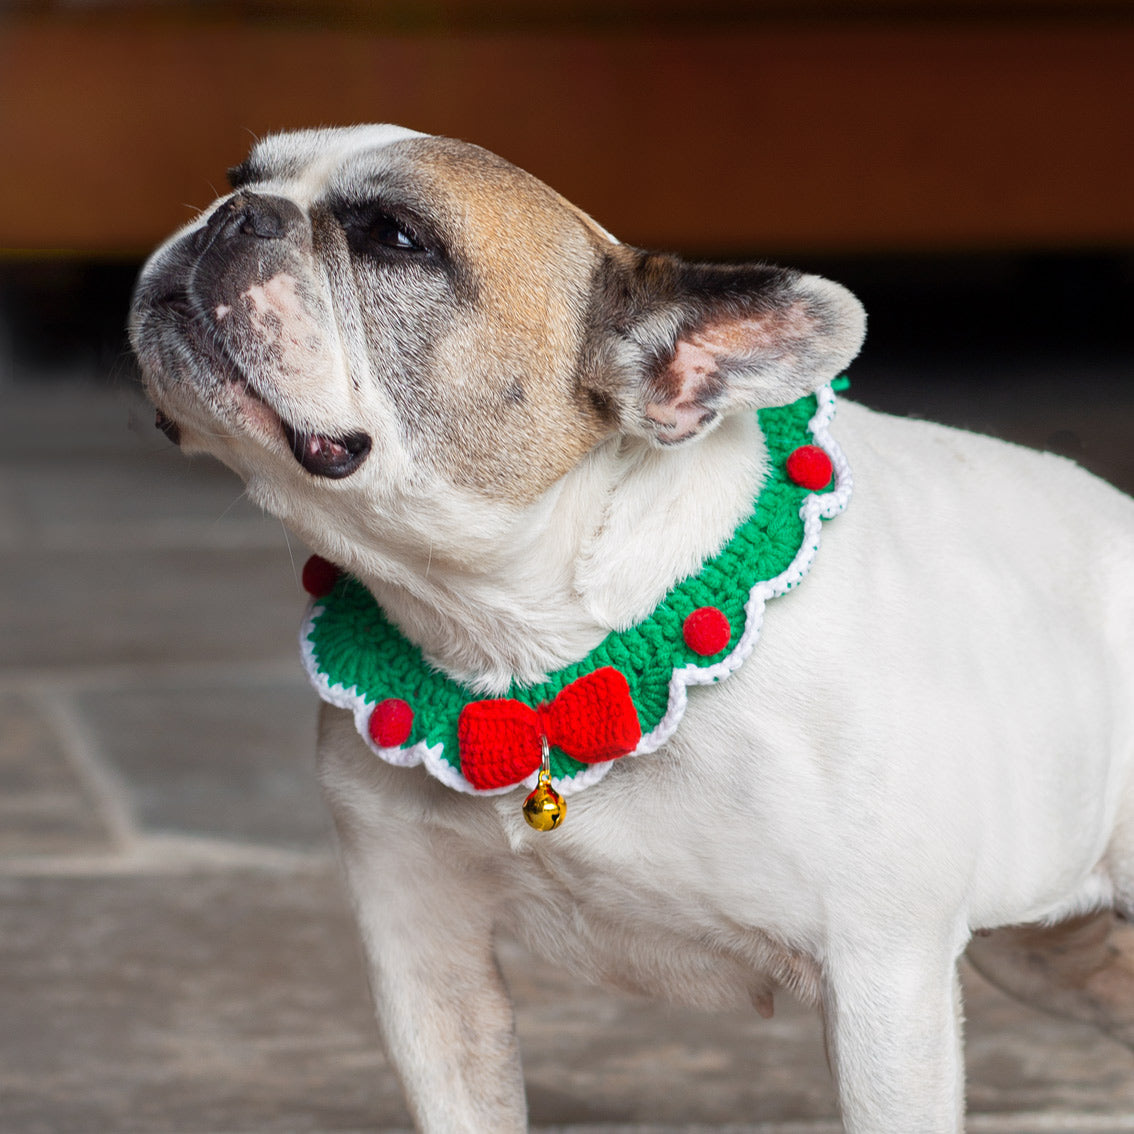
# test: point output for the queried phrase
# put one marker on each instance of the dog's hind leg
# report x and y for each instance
(1082, 969)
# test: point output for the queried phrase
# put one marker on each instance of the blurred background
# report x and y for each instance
(176, 953)
(967, 166)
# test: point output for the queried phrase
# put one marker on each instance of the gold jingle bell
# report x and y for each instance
(545, 808)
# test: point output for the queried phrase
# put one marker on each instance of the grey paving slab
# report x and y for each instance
(1071, 1123)
(199, 1003)
(106, 606)
(45, 808)
(118, 550)
(128, 499)
(225, 761)
(45, 418)
(1022, 1061)
(81, 468)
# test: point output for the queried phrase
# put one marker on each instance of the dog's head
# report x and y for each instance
(376, 319)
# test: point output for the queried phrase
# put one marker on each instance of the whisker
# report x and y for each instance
(291, 555)
(240, 496)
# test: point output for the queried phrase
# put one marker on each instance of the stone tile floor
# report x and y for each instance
(176, 956)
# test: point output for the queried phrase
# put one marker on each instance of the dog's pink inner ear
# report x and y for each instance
(706, 374)
(683, 389)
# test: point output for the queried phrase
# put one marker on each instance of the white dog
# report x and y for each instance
(538, 450)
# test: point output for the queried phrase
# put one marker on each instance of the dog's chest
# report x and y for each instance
(635, 892)
(646, 931)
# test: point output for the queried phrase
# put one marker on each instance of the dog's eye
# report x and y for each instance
(383, 234)
(388, 233)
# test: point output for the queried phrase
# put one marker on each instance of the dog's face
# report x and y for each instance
(378, 324)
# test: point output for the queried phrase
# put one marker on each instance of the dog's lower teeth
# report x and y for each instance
(323, 448)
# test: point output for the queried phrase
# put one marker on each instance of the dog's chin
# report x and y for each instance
(318, 453)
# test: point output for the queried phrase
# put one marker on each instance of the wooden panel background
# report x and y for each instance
(709, 133)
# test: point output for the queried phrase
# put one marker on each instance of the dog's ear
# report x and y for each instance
(677, 346)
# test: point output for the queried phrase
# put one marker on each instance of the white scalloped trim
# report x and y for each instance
(813, 511)
(361, 708)
(815, 508)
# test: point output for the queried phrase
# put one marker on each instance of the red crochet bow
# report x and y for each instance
(592, 719)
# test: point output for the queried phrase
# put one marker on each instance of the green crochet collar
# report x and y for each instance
(705, 627)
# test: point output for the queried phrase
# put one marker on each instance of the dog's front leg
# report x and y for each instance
(425, 912)
(444, 1013)
(893, 1034)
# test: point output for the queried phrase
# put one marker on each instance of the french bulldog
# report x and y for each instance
(518, 436)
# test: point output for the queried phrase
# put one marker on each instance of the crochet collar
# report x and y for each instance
(625, 698)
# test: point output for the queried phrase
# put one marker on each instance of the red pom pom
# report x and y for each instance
(319, 576)
(810, 467)
(706, 631)
(390, 723)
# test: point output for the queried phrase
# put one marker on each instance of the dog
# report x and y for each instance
(512, 440)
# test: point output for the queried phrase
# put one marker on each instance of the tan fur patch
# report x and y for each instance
(513, 359)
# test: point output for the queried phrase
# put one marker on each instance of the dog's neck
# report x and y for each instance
(597, 552)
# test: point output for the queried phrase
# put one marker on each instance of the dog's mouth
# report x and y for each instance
(320, 454)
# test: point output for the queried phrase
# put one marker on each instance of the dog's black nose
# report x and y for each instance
(255, 215)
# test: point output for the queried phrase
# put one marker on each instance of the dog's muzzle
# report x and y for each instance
(247, 237)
